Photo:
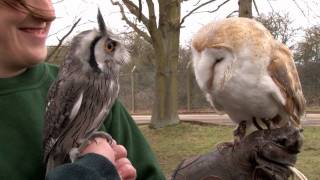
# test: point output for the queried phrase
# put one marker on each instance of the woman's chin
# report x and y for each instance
(37, 56)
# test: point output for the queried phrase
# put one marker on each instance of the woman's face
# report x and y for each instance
(22, 35)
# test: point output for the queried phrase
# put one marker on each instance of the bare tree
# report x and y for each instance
(163, 33)
(307, 56)
(308, 49)
(279, 26)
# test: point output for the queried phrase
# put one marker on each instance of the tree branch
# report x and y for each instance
(300, 8)
(197, 3)
(200, 6)
(152, 17)
(256, 7)
(140, 10)
(134, 9)
(66, 27)
(62, 39)
(270, 5)
(131, 24)
(230, 15)
(215, 10)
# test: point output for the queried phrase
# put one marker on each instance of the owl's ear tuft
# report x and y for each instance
(102, 24)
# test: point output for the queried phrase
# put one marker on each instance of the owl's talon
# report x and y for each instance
(75, 153)
(224, 145)
(240, 131)
(236, 141)
(101, 134)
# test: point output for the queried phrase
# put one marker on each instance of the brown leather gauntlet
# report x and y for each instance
(262, 155)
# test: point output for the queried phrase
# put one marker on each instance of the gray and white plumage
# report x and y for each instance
(246, 73)
(83, 93)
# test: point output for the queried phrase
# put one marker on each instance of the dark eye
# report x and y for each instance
(219, 60)
(110, 45)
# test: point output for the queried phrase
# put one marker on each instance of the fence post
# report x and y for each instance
(188, 87)
(133, 98)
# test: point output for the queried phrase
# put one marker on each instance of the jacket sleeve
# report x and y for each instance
(124, 130)
(89, 167)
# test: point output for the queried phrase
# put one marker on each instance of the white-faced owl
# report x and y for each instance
(83, 93)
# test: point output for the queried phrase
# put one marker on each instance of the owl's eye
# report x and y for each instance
(219, 60)
(110, 45)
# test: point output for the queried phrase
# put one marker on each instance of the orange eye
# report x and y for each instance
(110, 46)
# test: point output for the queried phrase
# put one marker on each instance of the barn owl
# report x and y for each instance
(84, 92)
(247, 74)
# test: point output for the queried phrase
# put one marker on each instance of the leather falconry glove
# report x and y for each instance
(262, 155)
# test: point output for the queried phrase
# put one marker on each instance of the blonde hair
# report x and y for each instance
(22, 6)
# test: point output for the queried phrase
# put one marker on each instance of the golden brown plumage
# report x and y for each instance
(248, 74)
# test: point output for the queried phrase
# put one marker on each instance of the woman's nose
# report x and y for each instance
(42, 9)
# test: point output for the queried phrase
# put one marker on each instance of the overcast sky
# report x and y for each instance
(68, 11)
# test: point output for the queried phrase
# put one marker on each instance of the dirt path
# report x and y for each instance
(311, 119)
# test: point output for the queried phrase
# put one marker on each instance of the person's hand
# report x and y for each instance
(264, 154)
(122, 163)
(116, 153)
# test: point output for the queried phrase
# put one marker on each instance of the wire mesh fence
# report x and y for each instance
(137, 88)
(137, 92)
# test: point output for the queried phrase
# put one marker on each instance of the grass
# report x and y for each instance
(309, 159)
(175, 143)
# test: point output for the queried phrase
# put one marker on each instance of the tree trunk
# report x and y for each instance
(166, 46)
(245, 8)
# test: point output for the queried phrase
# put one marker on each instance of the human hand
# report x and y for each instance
(122, 163)
(264, 154)
(116, 153)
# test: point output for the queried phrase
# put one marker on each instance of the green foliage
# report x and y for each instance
(175, 143)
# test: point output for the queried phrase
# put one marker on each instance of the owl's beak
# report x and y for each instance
(107, 62)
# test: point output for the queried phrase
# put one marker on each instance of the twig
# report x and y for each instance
(256, 7)
(200, 6)
(270, 5)
(300, 8)
(131, 24)
(193, 10)
(229, 15)
(140, 10)
(62, 39)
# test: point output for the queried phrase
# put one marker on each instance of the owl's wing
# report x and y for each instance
(284, 73)
(64, 101)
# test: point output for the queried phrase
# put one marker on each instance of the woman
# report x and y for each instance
(24, 82)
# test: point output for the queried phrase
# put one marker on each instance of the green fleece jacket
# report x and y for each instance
(89, 167)
(22, 106)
